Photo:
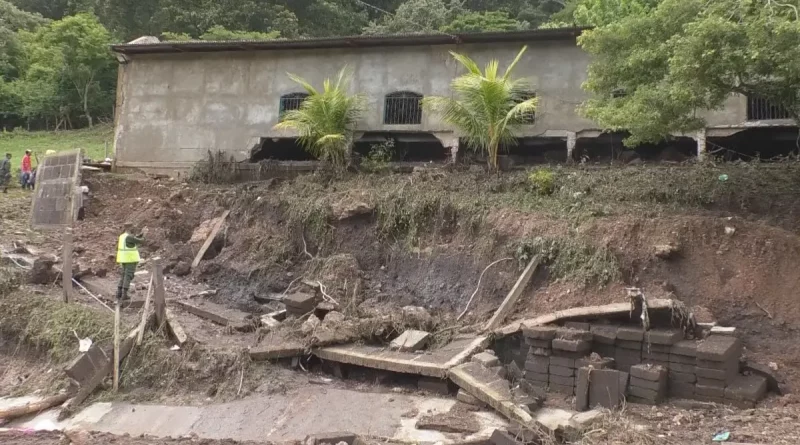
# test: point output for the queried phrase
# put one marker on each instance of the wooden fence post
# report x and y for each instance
(159, 299)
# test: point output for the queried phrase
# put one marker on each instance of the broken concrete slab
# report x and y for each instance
(710, 391)
(596, 362)
(717, 374)
(218, 314)
(711, 382)
(175, 328)
(285, 349)
(300, 303)
(562, 380)
(629, 344)
(432, 363)
(542, 377)
(565, 362)
(582, 389)
(773, 379)
(747, 388)
(659, 385)
(486, 359)
(269, 323)
(684, 377)
(465, 397)
(538, 343)
(411, 340)
(681, 389)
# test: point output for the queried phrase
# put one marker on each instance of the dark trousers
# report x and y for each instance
(125, 280)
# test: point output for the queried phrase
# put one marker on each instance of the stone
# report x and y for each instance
(412, 340)
(577, 325)
(596, 362)
(561, 371)
(268, 323)
(659, 386)
(182, 269)
(607, 388)
(514, 372)
(603, 334)
(468, 398)
(538, 364)
(683, 377)
(536, 343)
(434, 385)
(300, 303)
(310, 325)
(719, 348)
(666, 251)
(711, 391)
(499, 371)
(487, 360)
(629, 344)
(347, 209)
(565, 362)
(573, 334)
(562, 380)
(747, 388)
(630, 333)
(647, 372)
(572, 345)
(335, 318)
(665, 337)
(686, 348)
(540, 332)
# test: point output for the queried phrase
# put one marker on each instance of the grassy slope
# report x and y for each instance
(91, 141)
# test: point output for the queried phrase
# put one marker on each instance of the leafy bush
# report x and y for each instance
(572, 259)
(543, 181)
(379, 157)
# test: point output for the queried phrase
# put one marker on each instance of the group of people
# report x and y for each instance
(28, 174)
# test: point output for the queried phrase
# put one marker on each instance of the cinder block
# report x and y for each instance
(565, 362)
(569, 354)
(607, 388)
(659, 356)
(649, 361)
(719, 348)
(644, 393)
(651, 347)
(711, 382)
(577, 325)
(543, 352)
(685, 348)
(604, 350)
(582, 390)
(537, 376)
(536, 343)
(629, 344)
(561, 380)
(681, 389)
(538, 364)
(682, 359)
(709, 391)
(730, 364)
(603, 334)
(589, 362)
(573, 334)
(747, 388)
(716, 374)
(663, 336)
(651, 373)
(540, 332)
(567, 390)
(581, 346)
(683, 377)
(561, 371)
(660, 386)
(486, 359)
(679, 367)
(630, 333)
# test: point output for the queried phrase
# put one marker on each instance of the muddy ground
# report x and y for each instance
(381, 243)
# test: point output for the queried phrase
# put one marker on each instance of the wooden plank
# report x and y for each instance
(239, 325)
(116, 347)
(145, 313)
(582, 312)
(66, 271)
(511, 299)
(33, 407)
(159, 292)
(210, 239)
(176, 329)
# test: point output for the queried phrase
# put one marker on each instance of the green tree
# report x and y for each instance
(220, 33)
(417, 16)
(652, 73)
(131, 19)
(486, 107)
(327, 118)
(484, 21)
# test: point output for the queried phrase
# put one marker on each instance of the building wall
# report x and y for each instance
(173, 108)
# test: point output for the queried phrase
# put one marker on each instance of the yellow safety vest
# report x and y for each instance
(125, 254)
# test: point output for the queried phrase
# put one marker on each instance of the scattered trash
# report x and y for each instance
(773, 366)
(730, 230)
(721, 437)
(175, 348)
(83, 344)
(723, 178)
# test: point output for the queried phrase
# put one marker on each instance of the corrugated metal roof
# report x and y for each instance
(363, 41)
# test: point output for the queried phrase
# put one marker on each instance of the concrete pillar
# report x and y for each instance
(572, 139)
(702, 152)
(449, 141)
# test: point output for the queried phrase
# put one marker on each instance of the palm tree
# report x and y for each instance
(326, 119)
(486, 107)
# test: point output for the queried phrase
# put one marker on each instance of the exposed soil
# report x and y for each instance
(83, 438)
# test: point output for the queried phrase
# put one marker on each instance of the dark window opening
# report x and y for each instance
(292, 101)
(532, 151)
(608, 148)
(764, 144)
(528, 118)
(404, 147)
(280, 149)
(403, 108)
(760, 109)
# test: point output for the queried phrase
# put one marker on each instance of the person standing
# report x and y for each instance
(5, 172)
(26, 170)
(128, 258)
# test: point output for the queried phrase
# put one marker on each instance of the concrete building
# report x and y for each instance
(178, 100)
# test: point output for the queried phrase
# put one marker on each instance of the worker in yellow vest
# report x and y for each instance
(127, 257)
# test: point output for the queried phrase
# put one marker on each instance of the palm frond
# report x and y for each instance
(515, 62)
(468, 63)
(303, 83)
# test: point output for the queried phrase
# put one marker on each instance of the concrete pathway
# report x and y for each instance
(290, 416)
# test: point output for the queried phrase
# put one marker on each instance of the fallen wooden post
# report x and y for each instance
(116, 347)
(33, 408)
(511, 299)
(176, 329)
(145, 313)
(210, 239)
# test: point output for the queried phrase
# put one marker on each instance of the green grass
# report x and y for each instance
(91, 141)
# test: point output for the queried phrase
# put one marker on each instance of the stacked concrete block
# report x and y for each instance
(745, 391)
(717, 366)
(683, 369)
(537, 365)
(569, 345)
(600, 387)
(629, 347)
(648, 384)
(604, 338)
(657, 345)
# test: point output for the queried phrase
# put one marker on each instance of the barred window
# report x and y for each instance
(292, 101)
(760, 109)
(403, 108)
(528, 118)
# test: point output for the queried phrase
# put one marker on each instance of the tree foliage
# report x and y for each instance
(484, 21)
(327, 118)
(418, 16)
(487, 106)
(653, 74)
